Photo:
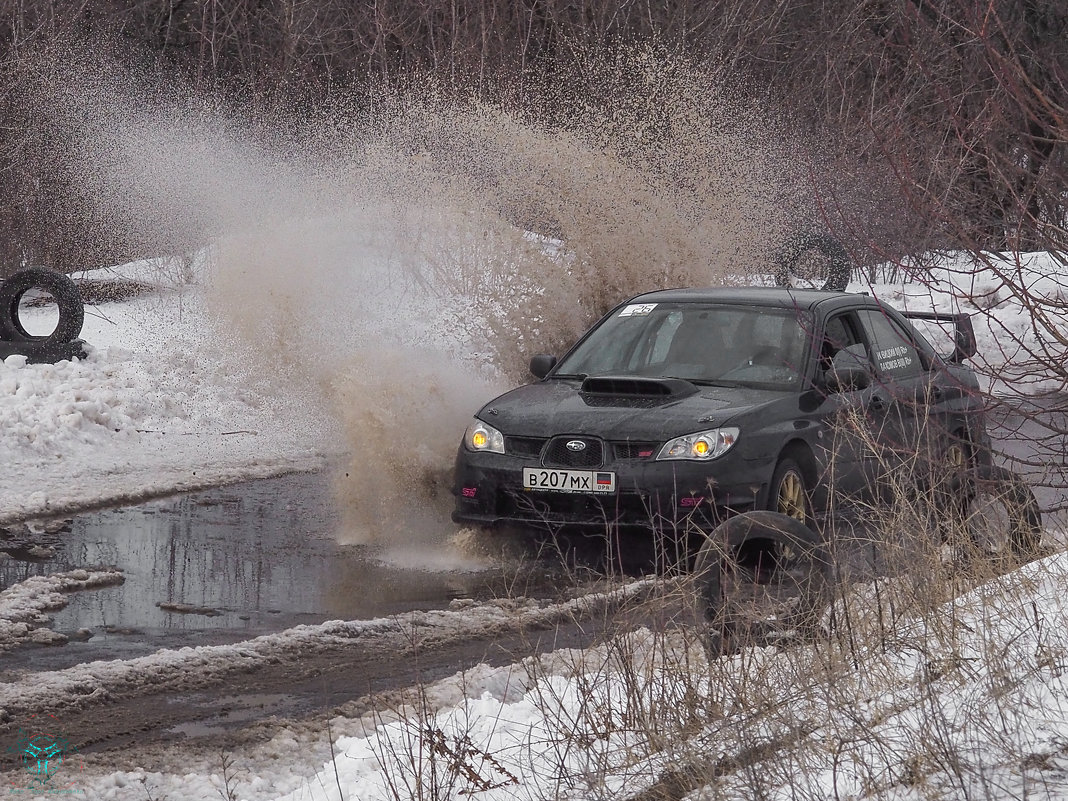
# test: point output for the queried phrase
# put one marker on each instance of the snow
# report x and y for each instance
(23, 605)
(966, 700)
(1017, 303)
(154, 409)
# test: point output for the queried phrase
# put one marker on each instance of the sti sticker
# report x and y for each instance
(637, 310)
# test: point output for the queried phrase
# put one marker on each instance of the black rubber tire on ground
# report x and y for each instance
(837, 266)
(44, 352)
(62, 289)
(787, 480)
(1005, 488)
(757, 577)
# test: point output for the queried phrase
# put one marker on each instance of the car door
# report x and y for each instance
(847, 455)
(898, 401)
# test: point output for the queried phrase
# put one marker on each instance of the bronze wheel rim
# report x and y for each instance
(955, 457)
(791, 501)
(955, 466)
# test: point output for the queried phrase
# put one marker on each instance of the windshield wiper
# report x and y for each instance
(575, 376)
(707, 382)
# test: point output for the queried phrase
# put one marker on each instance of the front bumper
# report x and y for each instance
(655, 495)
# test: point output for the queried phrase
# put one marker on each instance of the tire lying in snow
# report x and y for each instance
(758, 576)
(60, 287)
(44, 352)
(1000, 515)
(833, 270)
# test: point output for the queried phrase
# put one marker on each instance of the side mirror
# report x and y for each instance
(849, 370)
(541, 364)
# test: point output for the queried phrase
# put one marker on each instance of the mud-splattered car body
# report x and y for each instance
(683, 406)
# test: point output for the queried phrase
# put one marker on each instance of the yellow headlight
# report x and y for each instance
(700, 448)
(479, 439)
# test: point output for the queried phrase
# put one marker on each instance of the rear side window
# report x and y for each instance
(892, 350)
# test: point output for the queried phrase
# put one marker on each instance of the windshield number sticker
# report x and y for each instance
(569, 480)
(637, 310)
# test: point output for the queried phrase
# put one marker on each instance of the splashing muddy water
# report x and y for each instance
(396, 260)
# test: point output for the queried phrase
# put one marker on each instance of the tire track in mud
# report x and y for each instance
(111, 706)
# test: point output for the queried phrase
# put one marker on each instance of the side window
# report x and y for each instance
(839, 333)
(892, 351)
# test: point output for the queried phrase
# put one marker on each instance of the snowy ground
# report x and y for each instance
(160, 405)
(163, 403)
(972, 706)
(1017, 303)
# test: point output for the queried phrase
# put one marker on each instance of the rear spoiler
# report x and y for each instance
(963, 332)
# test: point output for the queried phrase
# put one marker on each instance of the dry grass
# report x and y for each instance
(939, 673)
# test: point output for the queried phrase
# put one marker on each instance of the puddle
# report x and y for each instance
(233, 711)
(231, 563)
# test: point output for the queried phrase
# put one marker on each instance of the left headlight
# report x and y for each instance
(701, 446)
(482, 437)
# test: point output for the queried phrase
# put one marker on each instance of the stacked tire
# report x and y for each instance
(63, 342)
(835, 267)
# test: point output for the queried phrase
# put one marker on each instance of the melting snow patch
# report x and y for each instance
(23, 605)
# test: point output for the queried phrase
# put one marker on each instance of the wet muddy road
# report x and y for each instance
(247, 559)
(264, 556)
(136, 727)
(253, 559)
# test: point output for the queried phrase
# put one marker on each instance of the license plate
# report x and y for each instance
(568, 480)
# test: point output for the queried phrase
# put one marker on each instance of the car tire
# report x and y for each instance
(38, 352)
(836, 267)
(1001, 516)
(789, 493)
(759, 577)
(62, 289)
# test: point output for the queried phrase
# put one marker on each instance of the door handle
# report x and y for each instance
(878, 402)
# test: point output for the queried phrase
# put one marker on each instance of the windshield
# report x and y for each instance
(755, 346)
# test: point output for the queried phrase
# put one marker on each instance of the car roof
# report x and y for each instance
(783, 297)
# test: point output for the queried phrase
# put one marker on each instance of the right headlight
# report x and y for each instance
(482, 437)
(702, 446)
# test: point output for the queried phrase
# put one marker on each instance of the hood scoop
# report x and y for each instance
(635, 386)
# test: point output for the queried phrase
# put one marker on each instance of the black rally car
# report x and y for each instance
(684, 406)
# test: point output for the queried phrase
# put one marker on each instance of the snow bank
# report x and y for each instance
(194, 667)
(23, 605)
(161, 404)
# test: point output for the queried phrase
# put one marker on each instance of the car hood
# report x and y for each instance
(559, 407)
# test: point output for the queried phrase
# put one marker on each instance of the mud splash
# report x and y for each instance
(396, 262)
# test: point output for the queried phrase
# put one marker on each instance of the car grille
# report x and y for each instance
(635, 450)
(557, 454)
(524, 446)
